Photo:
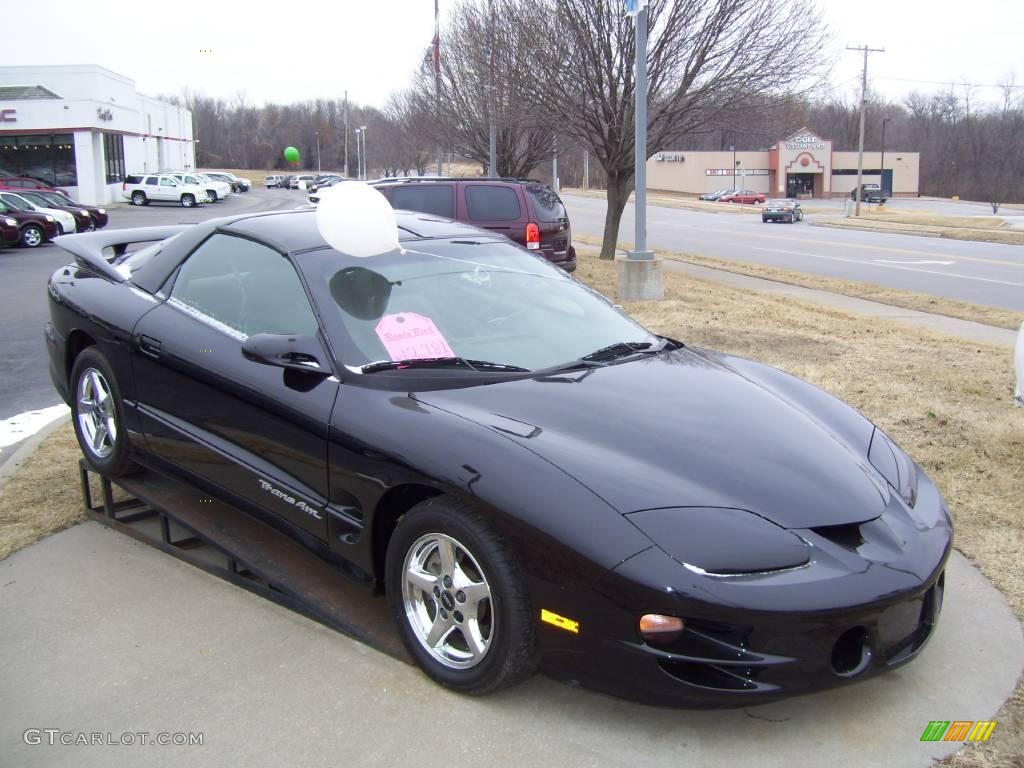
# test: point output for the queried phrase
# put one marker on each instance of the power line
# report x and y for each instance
(948, 82)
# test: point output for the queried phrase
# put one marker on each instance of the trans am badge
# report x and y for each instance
(297, 503)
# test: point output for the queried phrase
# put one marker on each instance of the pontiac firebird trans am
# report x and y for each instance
(534, 479)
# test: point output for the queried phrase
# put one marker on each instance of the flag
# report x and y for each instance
(633, 7)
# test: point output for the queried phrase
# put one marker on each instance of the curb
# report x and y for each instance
(28, 447)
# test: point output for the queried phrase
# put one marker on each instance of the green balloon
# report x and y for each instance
(291, 154)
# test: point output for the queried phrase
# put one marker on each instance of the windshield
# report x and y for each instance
(488, 302)
(37, 199)
(17, 203)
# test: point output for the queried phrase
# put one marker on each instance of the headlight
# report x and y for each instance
(83, 212)
(894, 465)
(50, 218)
(10, 222)
(722, 541)
(103, 211)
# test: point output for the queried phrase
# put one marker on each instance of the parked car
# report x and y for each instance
(716, 195)
(67, 223)
(273, 180)
(782, 210)
(747, 196)
(10, 234)
(144, 189)
(528, 212)
(84, 221)
(99, 215)
(300, 181)
(316, 189)
(34, 229)
(215, 189)
(23, 182)
(533, 479)
(237, 183)
(324, 180)
(870, 193)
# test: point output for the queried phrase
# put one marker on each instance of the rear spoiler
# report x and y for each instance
(88, 247)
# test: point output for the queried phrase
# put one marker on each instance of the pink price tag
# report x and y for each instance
(408, 336)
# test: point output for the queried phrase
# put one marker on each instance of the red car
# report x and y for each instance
(24, 182)
(34, 229)
(748, 196)
(9, 232)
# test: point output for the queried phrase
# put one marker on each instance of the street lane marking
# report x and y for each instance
(893, 266)
(17, 428)
(922, 261)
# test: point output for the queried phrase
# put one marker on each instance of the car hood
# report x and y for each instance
(683, 429)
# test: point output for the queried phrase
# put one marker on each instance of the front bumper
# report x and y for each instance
(759, 637)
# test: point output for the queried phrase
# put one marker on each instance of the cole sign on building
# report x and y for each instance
(82, 127)
(803, 165)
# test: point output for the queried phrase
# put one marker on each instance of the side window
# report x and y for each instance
(246, 286)
(167, 183)
(491, 203)
(438, 199)
(151, 181)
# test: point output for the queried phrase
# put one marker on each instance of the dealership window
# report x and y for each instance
(113, 151)
(47, 157)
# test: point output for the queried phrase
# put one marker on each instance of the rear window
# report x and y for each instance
(548, 205)
(492, 203)
(132, 179)
(438, 199)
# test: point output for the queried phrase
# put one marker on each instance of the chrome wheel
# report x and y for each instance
(97, 418)
(448, 601)
(31, 237)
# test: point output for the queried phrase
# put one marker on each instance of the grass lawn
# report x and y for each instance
(947, 402)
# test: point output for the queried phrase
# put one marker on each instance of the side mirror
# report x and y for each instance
(297, 353)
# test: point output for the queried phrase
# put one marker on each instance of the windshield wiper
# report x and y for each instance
(604, 355)
(441, 362)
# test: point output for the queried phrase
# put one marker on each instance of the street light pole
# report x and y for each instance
(640, 149)
(732, 148)
(554, 165)
(881, 180)
(366, 172)
(317, 151)
(492, 166)
(346, 133)
(359, 157)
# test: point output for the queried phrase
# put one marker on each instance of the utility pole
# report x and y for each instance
(492, 167)
(732, 148)
(346, 134)
(640, 129)
(863, 104)
(586, 169)
(881, 181)
(437, 82)
(554, 165)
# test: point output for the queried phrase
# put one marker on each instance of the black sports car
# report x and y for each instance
(533, 478)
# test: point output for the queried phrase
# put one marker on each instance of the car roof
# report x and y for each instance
(297, 230)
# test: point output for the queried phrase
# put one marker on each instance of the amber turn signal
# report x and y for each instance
(659, 628)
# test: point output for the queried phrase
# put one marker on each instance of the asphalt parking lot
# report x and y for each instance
(24, 378)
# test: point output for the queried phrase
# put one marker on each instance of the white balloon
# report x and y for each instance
(356, 219)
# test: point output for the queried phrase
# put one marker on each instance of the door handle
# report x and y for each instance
(150, 346)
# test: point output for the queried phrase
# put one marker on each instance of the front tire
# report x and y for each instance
(98, 415)
(138, 198)
(32, 236)
(188, 201)
(458, 599)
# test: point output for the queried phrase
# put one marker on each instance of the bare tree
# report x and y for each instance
(705, 58)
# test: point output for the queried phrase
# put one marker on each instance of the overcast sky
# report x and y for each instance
(292, 51)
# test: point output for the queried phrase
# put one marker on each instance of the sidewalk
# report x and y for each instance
(952, 326)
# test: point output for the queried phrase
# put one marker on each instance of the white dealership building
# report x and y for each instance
(83, 127)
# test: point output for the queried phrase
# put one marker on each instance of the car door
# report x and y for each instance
(257, 431)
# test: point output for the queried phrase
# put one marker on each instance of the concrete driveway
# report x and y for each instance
(102, 634)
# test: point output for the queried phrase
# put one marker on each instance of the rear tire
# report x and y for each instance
(458, 598)
(188, 201)
(212, 195)
(139, 198)
(98, 415)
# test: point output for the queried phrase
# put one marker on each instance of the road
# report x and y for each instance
(983, 273)
(24, 378)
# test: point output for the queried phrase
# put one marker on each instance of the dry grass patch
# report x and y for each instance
(975, 234)
(928, 219)
(923, 302)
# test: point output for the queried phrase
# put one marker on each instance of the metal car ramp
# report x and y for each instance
(226, 542)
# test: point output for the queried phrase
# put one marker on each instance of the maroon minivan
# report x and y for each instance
(528, 212)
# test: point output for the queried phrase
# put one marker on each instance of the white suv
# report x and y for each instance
(215, 189)
(142, 189)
